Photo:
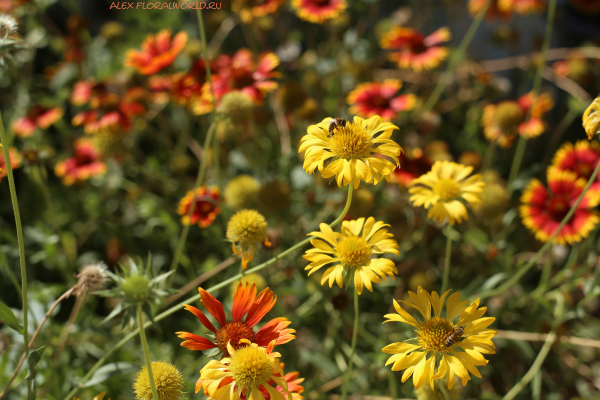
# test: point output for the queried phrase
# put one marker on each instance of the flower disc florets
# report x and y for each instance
(433, 334)
(167, 379)
(136, 288)
(233, 331)
(250, 365)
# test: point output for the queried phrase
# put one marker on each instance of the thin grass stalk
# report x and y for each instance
(142, 330)
(443, 389)
(353, 348)
(447, 258)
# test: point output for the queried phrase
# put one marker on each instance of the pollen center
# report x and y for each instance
(250, 366)
(508, 116)
(351, 141)
(353, 250)
(233, 331)
(558, 208)
(447, 189)
(434, 332)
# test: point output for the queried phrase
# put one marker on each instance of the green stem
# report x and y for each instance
(515, 277)
(177, 307)
(489, 155)
(543, 285)
(146, 352)
(456, 58)
(15, 204)
(516, 163)
(353, 349)
(447, 258)
(443, 389)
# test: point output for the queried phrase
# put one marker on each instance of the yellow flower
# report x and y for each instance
(442, 189)
(247, 228)
(352, 148)
(167, 380)
(591, 118)
(458, 357)
(246, 369)
(352, 252)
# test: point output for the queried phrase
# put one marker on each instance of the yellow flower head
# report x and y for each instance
(351, 251)
(167, 379)
(442, 189)
(457, 339)
(351, 146)
(246, 369)
(247, 228)
(591, 118)
(241, 192)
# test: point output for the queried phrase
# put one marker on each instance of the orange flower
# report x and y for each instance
(249, 10)
(245, 303)
(535, 107)
(15, 160)
(475, 6)
(414, 50)
(85, 164)
(379, 98)
(319, 11)
(158, 52)
(521, 6)
(206, 208)
(37, 117)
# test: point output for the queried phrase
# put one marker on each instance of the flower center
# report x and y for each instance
(434, 332)
(250, 366)
(353, 251)
(558, 208)
(508, 116)
(380, 101)
(447, 189)
(242, 79)
(584, 170)
(351, 141)
(233, 331)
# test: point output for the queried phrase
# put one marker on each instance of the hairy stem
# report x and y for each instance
(146, 352)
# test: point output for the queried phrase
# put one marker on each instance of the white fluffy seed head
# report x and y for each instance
(8, 25)
(91, 278)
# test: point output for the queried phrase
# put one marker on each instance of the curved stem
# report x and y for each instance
(15, 205)
(146, 352)
(443, 389)
(224, 283)
(447, 258)
(515, 278)
(352, 351)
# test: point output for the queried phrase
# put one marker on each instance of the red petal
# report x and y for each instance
(243, 298)
(195, 342)
(263, 304)
(200, 315)
(214, 306)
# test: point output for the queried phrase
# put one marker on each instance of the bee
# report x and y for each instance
(454, 336)
(335, 123)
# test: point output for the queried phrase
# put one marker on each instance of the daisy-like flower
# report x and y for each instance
(544, 208)
(167, 381)
(240, 72)
(245, 303)
(444, 189)
(319, 11)
(37, 117)
(414, 164)
(353, 148)
(414, 50)
(591, 118)
(534, 107)
(293, 383)
(245, 374)
(158, 52)
(15, 160)
(457, 356)
(206, 206)
(380, 98)
(493, 12)
(84, 164)
(581, 158)
(245, 230)
(351, 252)
(522, 7)
(248, 10)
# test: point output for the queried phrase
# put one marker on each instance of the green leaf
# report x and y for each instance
(9, 318)
(108, 370)
(32, 361)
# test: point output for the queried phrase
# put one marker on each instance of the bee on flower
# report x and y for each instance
(205, 209)
(319, 11)
(411, 49)
(37, 117)
(457, 339)
(158, 52)
(380, 98)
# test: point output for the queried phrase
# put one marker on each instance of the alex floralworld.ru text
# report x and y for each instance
(167, 6)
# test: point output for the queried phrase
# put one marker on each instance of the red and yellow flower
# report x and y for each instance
(493, 12)
(249, 10)
(157, 53)
(380, 98)
(84, 164)
(245, 303)
(414, 163)
(521, 6)
(206, 208)
(15, 160)
(581, 158)
(544, 208)
(37, 117)
(534, 107)
(319, 11)
(414, 50)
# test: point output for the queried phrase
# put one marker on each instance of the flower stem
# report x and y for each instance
(456, 58)
(516, 163)
(489, 155)
(517, 275)
(146, 352)
(443, 389)
(15, 205)
(447, 258)
(353, 349)
(178, 307)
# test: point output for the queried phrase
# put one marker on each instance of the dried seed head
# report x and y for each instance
(91, 278)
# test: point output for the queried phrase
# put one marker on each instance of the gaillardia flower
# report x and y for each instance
(352, 252)
(353, 148)
(84, 164)
(591, 118)
(246, 229)
(15, 160)
(37, 117)
(248, 10)
(443, 190)
(414, 164)
(493, 12)
(458, 339)
(158, 52)
(581, 158)
(245, 374)
(414, 50)
(521, 6)
(380, 98)
(534, 107)
(206, 206)
(543, 209)
(245, 303)
(319, 11)
(167, 380)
